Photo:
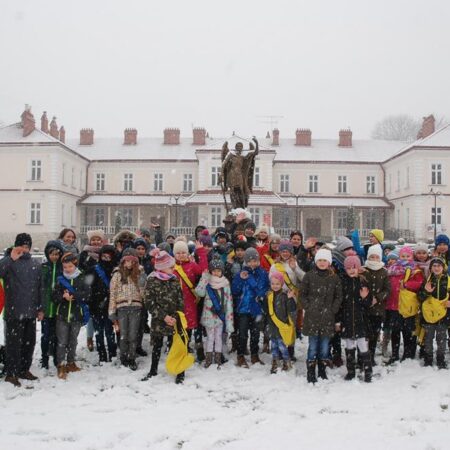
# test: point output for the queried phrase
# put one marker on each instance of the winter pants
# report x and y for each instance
(214, 338)
(248, 323)
(374, 325)
(335, 345)
(67, 338)
(142, 324)
(104, 329)
(129, 321)
(20, 339)
(400, 326)
(440, 330)
(48, 339)
(90, 329)
(279, 349)
(363, 345)
(318, 346)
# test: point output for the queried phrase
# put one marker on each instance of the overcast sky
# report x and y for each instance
(149, 64)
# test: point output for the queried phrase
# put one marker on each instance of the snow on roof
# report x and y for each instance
(127, 200)
(344, 202)
(216, 197)
(14, 134)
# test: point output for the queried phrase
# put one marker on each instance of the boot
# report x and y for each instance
(132, 365)
(141, 352)
(367, 362)
(311, 372)
(223, 360)
(242, 362)
(274, 366)
(322, 372)
(218, 359)
(13, 380)
(102, 356)
(266, 347)
(62, 373)
(153, 372)
(208, 359)
(44, 362)
(179, 378)
(286, 365)
(90, 344)
(124, 362)
(372, 350)
(441, 364)
(200, 353)
(255, 359)
(291, 351)
(385, 344)
(351, 364)
(28, 376)
(234, 343)
(72, 367)
(421, 352)
(337, 360)
(428, 360)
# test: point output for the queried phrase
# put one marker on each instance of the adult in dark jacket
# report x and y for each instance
(22, 278)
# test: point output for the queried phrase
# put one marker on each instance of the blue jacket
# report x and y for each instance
(362, 250)
(247, 291)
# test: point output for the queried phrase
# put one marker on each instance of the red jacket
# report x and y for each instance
(413, 284)
(264, 262)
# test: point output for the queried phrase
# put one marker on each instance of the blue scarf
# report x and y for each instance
(212, 293)
(84, 308)
(101, 273)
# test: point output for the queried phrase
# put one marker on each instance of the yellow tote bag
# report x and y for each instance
(434, 310)
(408, 303)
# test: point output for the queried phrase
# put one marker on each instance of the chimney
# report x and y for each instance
(130, 136)
(199, 135)
(62, 134)
(44, 122)
(345, 138)
(303, 137)
(427, 127)
(54, 128)
(276, 136)
(86, 136)
(172, 136)
(267, 135)
(28, 123)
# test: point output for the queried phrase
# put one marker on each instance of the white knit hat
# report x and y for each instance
(180, 246)
(323, 253)
(96, 233)
(375, 250)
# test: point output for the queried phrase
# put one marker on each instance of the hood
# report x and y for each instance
(54, 244)
(124, 235)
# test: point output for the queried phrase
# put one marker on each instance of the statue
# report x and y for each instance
(237, 173)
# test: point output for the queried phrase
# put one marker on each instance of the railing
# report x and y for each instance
(285, 233)
(109, 230)
(185, 231)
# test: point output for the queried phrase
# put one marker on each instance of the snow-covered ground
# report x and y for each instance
(109, 407)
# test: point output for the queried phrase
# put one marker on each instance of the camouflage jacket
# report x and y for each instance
(162, 298)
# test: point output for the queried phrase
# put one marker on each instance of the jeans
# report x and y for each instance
(67, 336)
(104, 329)
(248, 323)
(48, 339)
(129, 322)
(90, 328)
(278, 349)
(440, 330)
(318, 346)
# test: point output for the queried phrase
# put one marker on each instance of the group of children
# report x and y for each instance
(244, 282)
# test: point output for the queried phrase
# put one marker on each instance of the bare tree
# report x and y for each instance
(399, 127)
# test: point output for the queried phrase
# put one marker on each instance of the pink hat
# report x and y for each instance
(162, 259)
(352, 262)
(408, 250)
(277, 275)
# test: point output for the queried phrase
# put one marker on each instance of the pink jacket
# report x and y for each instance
(396, 275)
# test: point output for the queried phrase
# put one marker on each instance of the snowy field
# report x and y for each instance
(108, 407)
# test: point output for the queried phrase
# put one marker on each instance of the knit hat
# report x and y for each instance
(145, 232)
(323, 253)
(96, 233)
(392, 255)
(168, 235)
(343, 243)
(206, 239)
(140, 242)
(379, 234)
(180, 247)
(250, 225)
(129, 254)
(286, 245)
(421, 247)
(162, 259)
(108, 248)
(352, 262)
(241, 244)
(277, 276)
(441, 239)
(437, 260)
(262, 228)
(221, 231)
(406, 249)
(375, 250)
(275, 237)
(250, 255)
(389, 246)
(216, 263)
(23, 239)
(165, 246)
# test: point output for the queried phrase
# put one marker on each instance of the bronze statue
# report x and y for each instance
(237, 173)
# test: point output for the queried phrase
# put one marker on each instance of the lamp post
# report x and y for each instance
(435, 195)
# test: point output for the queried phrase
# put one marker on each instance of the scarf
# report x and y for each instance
(69, 248)
(72, 276)
(162, 275)
(218, 282)
(374, 265)
(93, 252)
(399, 268)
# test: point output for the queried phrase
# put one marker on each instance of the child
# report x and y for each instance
(434, 295)
(356, 301)
(51, 270)
(404, 274)
(125, 304)
(71, 295)
(163, 298)
(217, 315)
(249, 286)
(270, 255)
(321, 297)
(441, 247)
(280, 309)
(422, 258)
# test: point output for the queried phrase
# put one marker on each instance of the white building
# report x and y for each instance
(302, 183)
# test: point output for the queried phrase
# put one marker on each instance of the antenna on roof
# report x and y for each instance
(272, 119)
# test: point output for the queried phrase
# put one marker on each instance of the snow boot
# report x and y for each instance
(218, 359)
(266, 347)
(28, 376)
(72, 367)
(44, 362)
(421, 352)
(13, 380)
(90, 344)
(102, 356)
(274, 367)
(242, 362)
(286, 365)
(311, 372)
(234, 342)
(200, 352)
(141, 352)
(351, 364)
(62, 373)
(337, 360)
(179, 378)
(428, 360)
(291, 351)
(441, 364)
(255, 359)
(322, 372)
(367, 363)
(208, 359)
(124, 362)
(223, 360)
(132, 365)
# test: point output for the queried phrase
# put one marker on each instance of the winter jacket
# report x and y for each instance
(232, 268)
(440, 292)
(321, 297)
(295, 275)
(283, 307)
(89, 257)
(222, 251)
(50, 273)
(249, 292)
(193, 272)
(267, 257)
(71, 311)
(380, 287)
(209, 317)
(22, 281)
(147, 263)
(396, 275)
(162, 298)
(355, 309)
(101, 280)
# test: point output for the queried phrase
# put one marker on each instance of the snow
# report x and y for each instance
(109, 407)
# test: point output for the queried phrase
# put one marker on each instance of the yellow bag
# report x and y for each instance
(287, 330)
(178, 360)
(434, 310)
(408, 303)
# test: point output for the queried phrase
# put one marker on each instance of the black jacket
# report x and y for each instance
(283, 307)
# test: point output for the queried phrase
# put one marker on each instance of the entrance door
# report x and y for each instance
(313, 228)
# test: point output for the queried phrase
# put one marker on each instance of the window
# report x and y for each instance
(64, 174)
(215, 172)
(342, 184)
(100, 182)
(216, 216)
(436, 216)
(341, 216)
(370, 219)
(436, 173)
(158, 182)
(256, 178)
(186, 217)
(407, 178)
(187, 182)
(398, 180)
(128, 182)
(73, 177)
(36, 170)
(63, 215)
(284, 183)
(99, 216)
(126, 216)
(35, 213)
(370, 185)
(256, 215)
(313, 187)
